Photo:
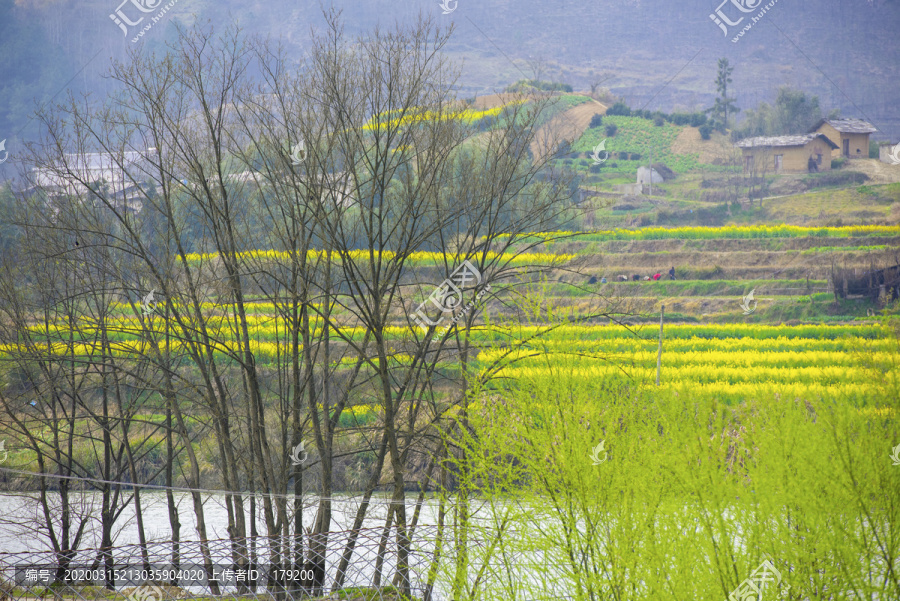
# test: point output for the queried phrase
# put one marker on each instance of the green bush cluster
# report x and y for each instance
(838, 178)
(547, 86)
(631, 139)
(607, 490)
(693, 119)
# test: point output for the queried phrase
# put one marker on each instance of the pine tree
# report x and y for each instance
(723, 105)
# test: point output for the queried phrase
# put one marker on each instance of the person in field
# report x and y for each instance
(672, 273)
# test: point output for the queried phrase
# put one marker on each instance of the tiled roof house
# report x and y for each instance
(850, 135)
(786, 154)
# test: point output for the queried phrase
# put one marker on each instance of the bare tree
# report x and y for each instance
(340, 193)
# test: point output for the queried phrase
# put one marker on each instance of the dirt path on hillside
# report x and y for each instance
(493, 100)
(878, 172)
(568, 125)
(717, 148)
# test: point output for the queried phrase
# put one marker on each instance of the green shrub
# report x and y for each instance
(549, 86)
(611, 129)
(873, 149)
(658, 122)
(620, 108)
(705, 131)
(596, 121)
(834, 178)
(698, 119)
(793, 478)
(838, 162)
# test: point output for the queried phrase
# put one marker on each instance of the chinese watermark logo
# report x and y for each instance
(446, 5)
(3, 150)
(895, 457)
(752, 588)
(745, 303)
(148, 305)
(147, 592)
(596, 451)
(601, 147)
(743, 6)
(894, 157)
(298, 153)
(143, 6)
(298, 455)
(33, 575)
(448, 295)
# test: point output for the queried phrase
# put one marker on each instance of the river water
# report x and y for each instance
(21, 530)
(19, 516)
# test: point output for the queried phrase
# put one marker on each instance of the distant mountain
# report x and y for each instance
(657, 54)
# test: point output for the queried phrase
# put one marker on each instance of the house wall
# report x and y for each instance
(795, 158)
(832, 134)
(860, 141)
(884, 154)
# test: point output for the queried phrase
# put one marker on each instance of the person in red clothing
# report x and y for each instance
(657, 276)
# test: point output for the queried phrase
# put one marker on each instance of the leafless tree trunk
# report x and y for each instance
(392, 169)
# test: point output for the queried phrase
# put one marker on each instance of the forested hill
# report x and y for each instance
(845, 51)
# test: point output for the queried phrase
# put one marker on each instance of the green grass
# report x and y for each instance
(728, 232)
(824, 249)
(884, 193)
(637, 135)
(560, 105)
(706, 287)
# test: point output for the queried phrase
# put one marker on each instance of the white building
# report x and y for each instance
(121, 178)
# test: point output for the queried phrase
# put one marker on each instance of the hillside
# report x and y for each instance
(650, 52)
(334, 333)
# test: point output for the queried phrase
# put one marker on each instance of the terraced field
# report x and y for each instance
(712, 349)
(722, 363)
(789, 267)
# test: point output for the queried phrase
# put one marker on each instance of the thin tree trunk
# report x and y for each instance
(382, 547)
(438, 543)
(138, 510)
(253, 533)
(174, 522)
(360, 516)
(197, 498)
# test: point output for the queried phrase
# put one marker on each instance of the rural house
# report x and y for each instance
(850, 135)
(121, 178)
(787, 154)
